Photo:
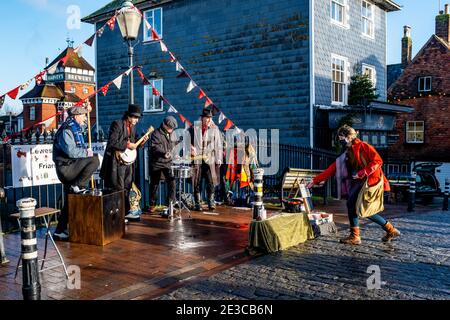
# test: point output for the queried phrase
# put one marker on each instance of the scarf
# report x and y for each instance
(77, 132)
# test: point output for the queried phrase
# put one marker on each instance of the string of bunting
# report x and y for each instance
(104, 89)
(183, 73)
(51, 69)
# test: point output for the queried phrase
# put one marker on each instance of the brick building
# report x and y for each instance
(279, 60)
(424, 83)
(60, 90)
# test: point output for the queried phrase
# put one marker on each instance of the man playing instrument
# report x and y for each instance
(75, 163)
(116, 174)
(161, 157)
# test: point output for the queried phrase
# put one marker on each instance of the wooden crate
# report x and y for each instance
(96, 220)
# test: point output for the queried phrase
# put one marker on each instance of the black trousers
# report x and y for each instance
(77, 173)
(204, 172)
(121, 179)
(155, 178)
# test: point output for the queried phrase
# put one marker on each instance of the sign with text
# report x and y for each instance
(32, 165)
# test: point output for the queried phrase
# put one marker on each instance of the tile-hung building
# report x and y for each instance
(424, 83)
(264, 63)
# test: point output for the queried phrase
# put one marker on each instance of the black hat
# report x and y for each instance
(207, 113)
(171, 122)
(134, 110)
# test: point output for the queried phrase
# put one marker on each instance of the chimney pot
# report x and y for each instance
(446, 8)
(406, 46)
(443, 25)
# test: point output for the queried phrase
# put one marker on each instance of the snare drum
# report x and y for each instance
(181, 172)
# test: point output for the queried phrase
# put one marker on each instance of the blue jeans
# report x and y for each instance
(355, 187)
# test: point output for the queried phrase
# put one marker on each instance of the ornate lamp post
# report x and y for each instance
(129, 20)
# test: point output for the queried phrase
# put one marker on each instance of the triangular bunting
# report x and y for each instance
(238, 131)
(221, 117)
(52, 69)
(155, 92)
(163, 46)
(90, 41)
(64, 60)
(127, 73)
(47, 123)
(155, 36)
(111, 22)
(39, 78)
(79, 103)
(26, 84)
(183, 119)
(13, 93)
(202, 94)
(228, 125)
(182, 74)
(118, 82)
(191, 86)
(208, 102)
(215, 110)
(172, 58)
(100, 31)
(104, 89)
(2, 101)
(147, 25)
(178, 66)
(141, 75)
(172, 110)
(146, 82)
(79, 50)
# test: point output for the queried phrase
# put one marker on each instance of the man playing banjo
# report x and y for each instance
(115, 172)
(161, 158)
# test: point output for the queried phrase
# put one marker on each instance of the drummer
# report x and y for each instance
(163, 143)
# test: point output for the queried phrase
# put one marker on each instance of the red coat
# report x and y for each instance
(373, 169)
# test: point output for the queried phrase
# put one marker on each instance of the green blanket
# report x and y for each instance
(279, 232)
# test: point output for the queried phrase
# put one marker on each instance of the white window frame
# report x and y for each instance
(345, 13)
(148, 92)
(424, 79)
(370, 20)
(373, 73)
(32, 112)
(344, 82)
(407, 131)
(147, 34)
(85, 90)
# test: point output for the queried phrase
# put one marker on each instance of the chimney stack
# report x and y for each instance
(406, 46)
(443, 25)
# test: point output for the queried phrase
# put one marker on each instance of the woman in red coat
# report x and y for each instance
(360, 160)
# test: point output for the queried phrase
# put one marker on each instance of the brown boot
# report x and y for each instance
(391, 232)
(354, 237)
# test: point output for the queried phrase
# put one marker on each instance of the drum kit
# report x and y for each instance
(181, 171)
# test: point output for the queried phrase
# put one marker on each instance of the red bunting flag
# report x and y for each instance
(104, 89)
(155, 36)
(183, 119)
(202, 94)
(90, 41)
(79, 103)
(13, 93)
(208, 102)
(228, 125)
(111, 22)
(39, 77)
(141, 75)
(156, 92)
(64, 60)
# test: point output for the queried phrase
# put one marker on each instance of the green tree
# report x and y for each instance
(361, 91)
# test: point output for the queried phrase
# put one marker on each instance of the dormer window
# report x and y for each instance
(424, 84)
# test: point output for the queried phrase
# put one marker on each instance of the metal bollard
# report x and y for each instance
(3, 259)
(446, 193)
(31, 288)
(412, 193)
(258, 209)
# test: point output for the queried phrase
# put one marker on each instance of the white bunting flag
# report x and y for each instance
(179, 66)
(127, 73)
(52, 69)
(191, 86)
(221, 117)
(172, 110)
(79, 50)
(118, 82)
(48, 123)
(163, 46)
(147, 25)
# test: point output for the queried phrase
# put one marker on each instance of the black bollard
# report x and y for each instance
(31, 288)
(258, 209)
(412, 193)
(3, 259)
(446, 193)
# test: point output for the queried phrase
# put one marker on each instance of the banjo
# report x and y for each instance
(128, 157)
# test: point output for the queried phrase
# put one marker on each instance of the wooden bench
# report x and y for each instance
(289, 182)
(47, 214)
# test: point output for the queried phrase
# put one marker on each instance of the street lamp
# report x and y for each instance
(129, 20)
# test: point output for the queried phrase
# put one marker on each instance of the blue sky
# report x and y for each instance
(36, 29)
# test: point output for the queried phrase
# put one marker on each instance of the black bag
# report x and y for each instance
(293, 205)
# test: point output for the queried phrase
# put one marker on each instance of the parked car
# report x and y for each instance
(427, 185)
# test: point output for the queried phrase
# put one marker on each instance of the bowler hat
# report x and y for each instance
(171, 122)
(77, 111)
(134, 110)
(207, 113)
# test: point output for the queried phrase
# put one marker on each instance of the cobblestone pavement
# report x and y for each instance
(416, 266)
